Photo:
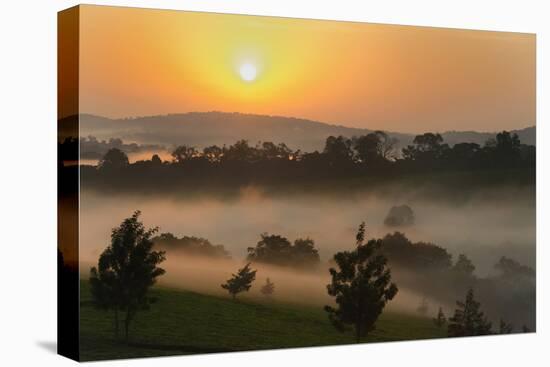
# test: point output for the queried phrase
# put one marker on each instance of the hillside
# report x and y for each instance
(206, 128)
(188, 323)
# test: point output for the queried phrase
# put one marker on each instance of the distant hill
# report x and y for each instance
(201, 129)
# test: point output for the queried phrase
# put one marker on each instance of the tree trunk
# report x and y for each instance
(126, 325)
(116, 323)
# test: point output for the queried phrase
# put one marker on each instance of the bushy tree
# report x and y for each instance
(277, 250)
(338, 149)
(440, 319)
(114, 159)
(505, 328)
(464, 266)
(126, 270)
(468, 319)
(426, 148)
(268, 288)
(240, 282)
(361, 286)
(184, 153)
(513, 270)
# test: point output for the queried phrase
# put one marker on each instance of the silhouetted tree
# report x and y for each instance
(440, 319)
(426, 148)
(401, 215)
(191, 245)
(241, 151)
(374, 147)
(468, 319)
(464, 266)
(213, 153)
(505, 328)
(386, 146)
(126, 270)
(184, 153)
(268, 288)
(277, 250)
(419, 256)
(338, 150)
(114, 159)
(361, 286)
(506, 148)
(367, 148)
(240, 282)
(155, 160)
(511, 269)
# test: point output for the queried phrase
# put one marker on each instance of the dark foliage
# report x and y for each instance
(361, 285)
(468, 319)
(372, 157)
(190, 245)
(505, 328)
(114, 159)
(440, 319)
(401, 215)
(268, 288)
(419, 256)
(240, 282)
(126, 270)
(277, 250)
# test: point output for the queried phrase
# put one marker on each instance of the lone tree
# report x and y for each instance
(126, 270)
(505, 328)
(240, 282)
(268, 288)
(361, 286)
(440, 319)
(468, 320)
(114, 159)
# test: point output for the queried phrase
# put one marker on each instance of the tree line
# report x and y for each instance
(372, 155)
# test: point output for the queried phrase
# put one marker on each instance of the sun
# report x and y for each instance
(248, 72)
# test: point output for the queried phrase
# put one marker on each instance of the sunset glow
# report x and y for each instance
(363, 75)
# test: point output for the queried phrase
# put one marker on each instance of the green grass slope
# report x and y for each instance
(188, 323)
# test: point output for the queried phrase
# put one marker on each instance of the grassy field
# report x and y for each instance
(187, 323)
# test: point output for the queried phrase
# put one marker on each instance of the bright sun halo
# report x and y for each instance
(248, 72)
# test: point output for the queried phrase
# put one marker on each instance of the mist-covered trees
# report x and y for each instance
(191, 245)
(419, 256)
(126, 270)
(440, 318)
(468, 319)
(400, 215)
(277, 250)
(361, 285)
(240, 282)
(364, 160)
(510, 269)
(268, 288)
(464, 266)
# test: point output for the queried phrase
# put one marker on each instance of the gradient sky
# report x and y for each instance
(136, 62)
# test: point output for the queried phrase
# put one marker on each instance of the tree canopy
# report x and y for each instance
(126, 270)
(240, 282)
(277, 250)
(361, 285)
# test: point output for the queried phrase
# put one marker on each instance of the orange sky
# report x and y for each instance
(136, 62)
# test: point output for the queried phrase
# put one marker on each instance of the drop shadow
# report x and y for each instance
(50, 346)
